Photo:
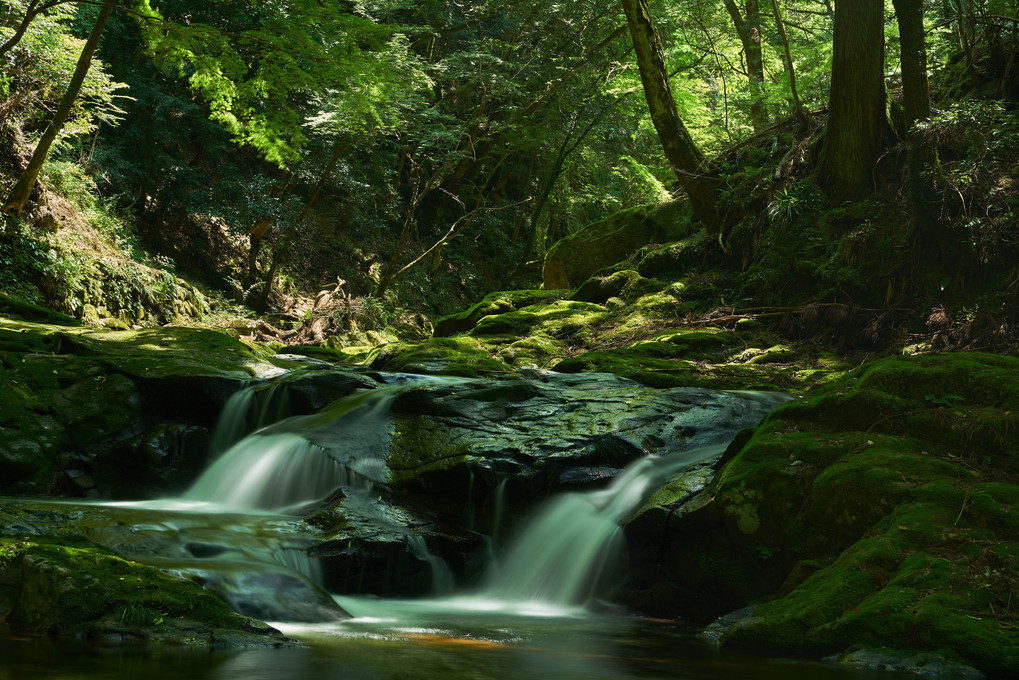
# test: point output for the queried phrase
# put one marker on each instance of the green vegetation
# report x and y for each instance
(894, 514)
(819, 198)
(67, 586)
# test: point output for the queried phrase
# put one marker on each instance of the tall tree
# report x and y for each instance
(748, 28)
(688, 162)
(857, 123)
(916, 104)
(19, 195)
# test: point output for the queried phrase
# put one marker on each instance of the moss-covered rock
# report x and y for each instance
(707, 357)
(877, 511)
(568, 319)
(461, 355)
(573, 259)
(625, 284)
(493, 303)
(20, 310)
(63, 586)
(77, 404)
(698, 251)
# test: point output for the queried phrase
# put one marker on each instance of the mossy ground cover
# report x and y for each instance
(617, 322)
(895, 489)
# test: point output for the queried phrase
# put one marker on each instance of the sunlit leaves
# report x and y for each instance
(257, 64)
(37, 71)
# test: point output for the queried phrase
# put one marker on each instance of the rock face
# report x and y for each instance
(123, 414)
(602, 244)
(450, 460)
(536, 434)
(878, 511)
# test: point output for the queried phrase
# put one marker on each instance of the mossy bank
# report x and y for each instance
(879, 511)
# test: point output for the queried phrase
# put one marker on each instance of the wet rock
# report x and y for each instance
(456, 444)
(929, 665)
(270, 594)
(102, 396)
(716, 630)
(73, 586)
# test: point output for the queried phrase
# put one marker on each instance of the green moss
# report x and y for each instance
(67, 586)
(566, 319)
(573, 259)
(149, 352)
(884, 476)
(680, 257)
(640, 363)
(18, 309)
(493, 303)
(420, 446)
(459, 355)
(626, 284)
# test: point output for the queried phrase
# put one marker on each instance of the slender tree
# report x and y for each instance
(748, 28)
(857, 123)
(688, 162)
(19, 195)
(790, 68)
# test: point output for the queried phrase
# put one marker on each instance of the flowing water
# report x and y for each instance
(535, 614)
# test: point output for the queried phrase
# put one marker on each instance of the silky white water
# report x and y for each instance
(573, 542)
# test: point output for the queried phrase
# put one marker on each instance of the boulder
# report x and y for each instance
(575, 258)
(62, 586)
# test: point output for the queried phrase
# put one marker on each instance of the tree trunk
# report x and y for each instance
(748, 28)
(857, 123)
(19, 195)
(790, 69)
(923, 167)
(687, 161)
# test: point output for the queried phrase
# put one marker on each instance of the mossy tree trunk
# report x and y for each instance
(857, 122)
(22, 190)
(748, 28)
(688, 163)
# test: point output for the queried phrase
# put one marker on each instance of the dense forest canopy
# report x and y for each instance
(445, 147)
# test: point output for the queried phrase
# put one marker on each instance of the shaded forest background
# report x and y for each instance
(350, 171)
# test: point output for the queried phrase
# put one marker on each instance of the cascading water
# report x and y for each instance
(270, 472)
(231, 531)
(302, 459)
(569, 547)
(247, 410)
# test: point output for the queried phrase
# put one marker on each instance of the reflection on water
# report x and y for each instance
(459, 639)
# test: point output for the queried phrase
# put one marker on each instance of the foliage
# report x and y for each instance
(34, 74)
(981, 140)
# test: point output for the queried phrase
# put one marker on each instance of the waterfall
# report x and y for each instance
(569, 553)
(248, 410)
(301, 459)
(271, 472)
(573, 544)
(442, 577)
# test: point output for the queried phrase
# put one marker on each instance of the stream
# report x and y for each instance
(541, 606)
